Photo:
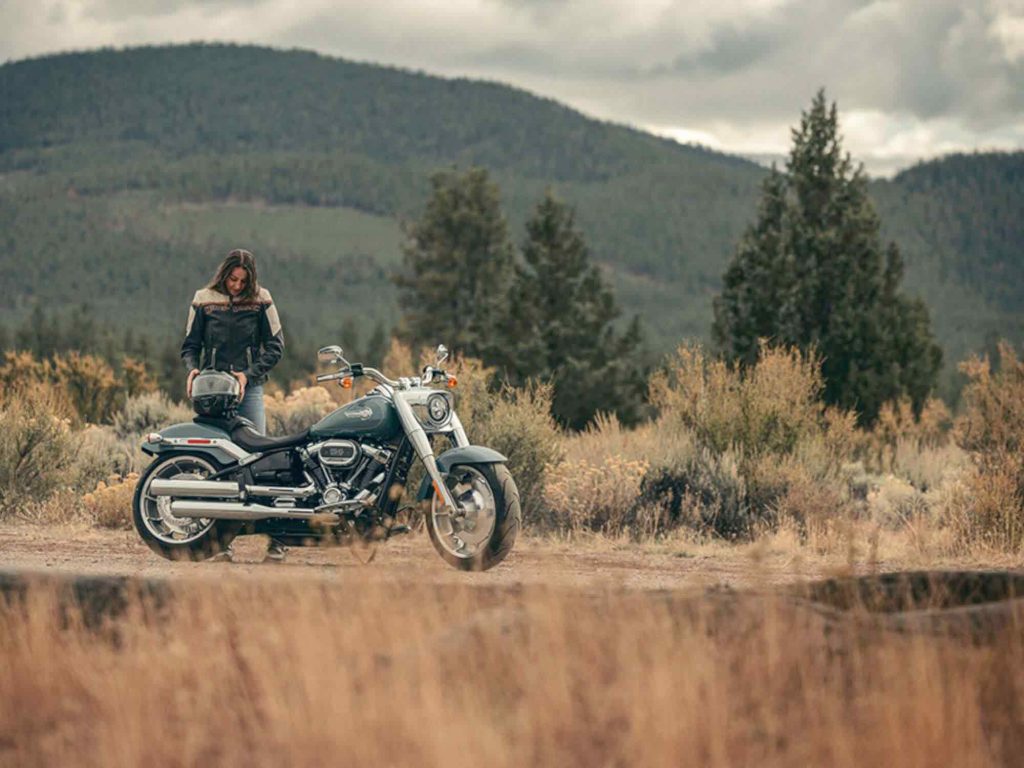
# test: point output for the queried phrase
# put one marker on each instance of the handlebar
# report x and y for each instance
(356, 369)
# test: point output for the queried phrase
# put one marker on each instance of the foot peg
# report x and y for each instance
(398, 530)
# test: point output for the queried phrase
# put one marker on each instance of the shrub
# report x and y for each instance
(110, 504)
(595, 496)
(897, 420)
(990, 508)
(148, 412)
(37, 446)
(925, 465)
(299, 410)
(759, 442)
(62, 507)
(102, 453)
(21, 370)
(518, 423)
(993, 417)
(706, 492)
(893, 501)
(90, 383)
(136, 378)
(87, 382)
(768, 408)
(986, 509)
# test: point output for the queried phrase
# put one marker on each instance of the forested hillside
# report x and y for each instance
(124, 176)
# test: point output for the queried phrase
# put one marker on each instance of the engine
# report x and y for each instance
(354, 467)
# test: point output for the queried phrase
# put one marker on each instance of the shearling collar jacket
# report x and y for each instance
(229, 335)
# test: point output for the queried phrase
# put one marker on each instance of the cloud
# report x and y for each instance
(917, 74)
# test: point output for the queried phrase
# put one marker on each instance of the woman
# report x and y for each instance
(233, 326)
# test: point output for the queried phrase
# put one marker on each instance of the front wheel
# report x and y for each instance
(481, 534)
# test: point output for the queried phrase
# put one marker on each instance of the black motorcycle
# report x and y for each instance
(340, 481)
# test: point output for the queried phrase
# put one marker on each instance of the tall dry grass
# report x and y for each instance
(409, 675)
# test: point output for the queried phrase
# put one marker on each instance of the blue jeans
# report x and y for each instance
(251, 408)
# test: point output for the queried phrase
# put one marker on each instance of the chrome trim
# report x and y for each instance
(421, 444)
(230, 448)
(193, 488)
(228, 510)
(461, 439)
(225, 489)
(334, 462)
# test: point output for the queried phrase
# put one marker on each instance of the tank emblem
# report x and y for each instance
(360, 413)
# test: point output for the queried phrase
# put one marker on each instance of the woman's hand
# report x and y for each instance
(242, 381)
(188, 384)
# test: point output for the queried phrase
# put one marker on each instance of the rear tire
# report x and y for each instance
(159, 529)
(508, 519)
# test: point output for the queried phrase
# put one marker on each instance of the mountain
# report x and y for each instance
(125, 174)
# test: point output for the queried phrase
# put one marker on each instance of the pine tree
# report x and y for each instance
(458, 264)
(377, 345)
(812, 272)
(562, 327)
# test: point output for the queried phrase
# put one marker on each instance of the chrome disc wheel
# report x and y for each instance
(156, 510)
(465, 532)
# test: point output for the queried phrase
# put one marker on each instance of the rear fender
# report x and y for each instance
(467, 454)
(178, 439)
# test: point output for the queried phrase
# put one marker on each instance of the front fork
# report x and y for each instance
(421, 444)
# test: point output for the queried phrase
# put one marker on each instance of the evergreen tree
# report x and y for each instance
(38, 334)
(458, 263)
(377, 345)
(349, 339)
(812, 272)
(562, 324)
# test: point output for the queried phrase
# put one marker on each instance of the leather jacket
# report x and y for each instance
(229, 335)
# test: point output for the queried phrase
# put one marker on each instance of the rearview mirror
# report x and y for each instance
(331, 354)
(442, 354)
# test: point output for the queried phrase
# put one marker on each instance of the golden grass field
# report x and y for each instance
(588, 653)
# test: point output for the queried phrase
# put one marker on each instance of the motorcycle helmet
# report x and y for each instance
(215, 393)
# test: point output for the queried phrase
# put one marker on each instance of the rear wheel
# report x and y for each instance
(170, 536)
(481, 534)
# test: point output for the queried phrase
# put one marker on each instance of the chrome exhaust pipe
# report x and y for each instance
(221, 489)
(193, 488)
(227, 510)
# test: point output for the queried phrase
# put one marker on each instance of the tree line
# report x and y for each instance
(811, 272)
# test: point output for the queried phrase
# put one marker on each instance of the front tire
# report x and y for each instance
(172, 537)
(486, 534)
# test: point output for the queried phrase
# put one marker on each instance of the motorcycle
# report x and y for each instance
(340, 481)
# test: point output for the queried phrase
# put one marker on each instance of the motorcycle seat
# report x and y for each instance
(246, 437)
(243, 434)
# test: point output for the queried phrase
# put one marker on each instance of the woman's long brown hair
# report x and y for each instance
(239, 257)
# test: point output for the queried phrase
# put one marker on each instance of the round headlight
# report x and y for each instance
(438, 408)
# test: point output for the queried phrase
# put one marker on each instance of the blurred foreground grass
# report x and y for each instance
(243, 673)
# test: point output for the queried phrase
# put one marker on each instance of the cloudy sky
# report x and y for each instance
(913, 78)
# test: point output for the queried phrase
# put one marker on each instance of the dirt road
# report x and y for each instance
(535, 561)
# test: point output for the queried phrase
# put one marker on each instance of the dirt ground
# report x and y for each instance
(535, 561)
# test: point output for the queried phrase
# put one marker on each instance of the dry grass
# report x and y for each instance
(109, 505)
(379, 674)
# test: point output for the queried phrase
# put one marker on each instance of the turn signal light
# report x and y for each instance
(452, 381)
(346, 383)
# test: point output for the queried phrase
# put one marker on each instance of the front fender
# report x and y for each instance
(191, 429)
(467, 454)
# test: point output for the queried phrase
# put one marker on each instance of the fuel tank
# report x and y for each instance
(370, 416)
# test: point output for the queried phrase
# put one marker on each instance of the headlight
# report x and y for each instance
(438, 408)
